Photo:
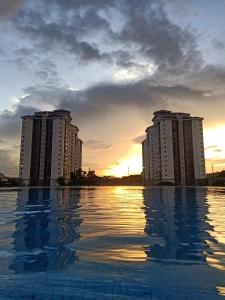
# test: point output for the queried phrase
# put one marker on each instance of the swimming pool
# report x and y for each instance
(112, 243)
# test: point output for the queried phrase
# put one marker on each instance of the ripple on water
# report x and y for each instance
(163, 236)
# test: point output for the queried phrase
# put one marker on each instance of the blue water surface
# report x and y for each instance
(112, 243)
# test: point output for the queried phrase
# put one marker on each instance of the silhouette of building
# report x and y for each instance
(173, 150)
(50, 147)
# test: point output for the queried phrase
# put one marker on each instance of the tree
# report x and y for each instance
(80, 173)
(91, 174)
(60, 181)
(221, 174)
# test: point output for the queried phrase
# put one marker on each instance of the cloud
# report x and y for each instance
(8, 6)
(70, 31)
(8, 162)
(214, 148)
(139, 139)
(103, 99)
(10, 122)
(211, 147)
(97, 145)
(147, 61)
(87, 30)
(159, 40)
(218, 44)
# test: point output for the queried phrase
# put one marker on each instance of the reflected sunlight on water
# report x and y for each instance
(163, 237)
(216, 218)
(221, 290)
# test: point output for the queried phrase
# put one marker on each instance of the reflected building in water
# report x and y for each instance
(49, 223)
(176, 220)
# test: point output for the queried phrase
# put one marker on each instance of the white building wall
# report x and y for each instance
(145, 156)
(58, 137)
(66, 146)
(42, 150)
(151, 152)
(157, 156)
(181, 149)
(75, 150)
(198, 148)
(25, 150)
(78, 154)
(67, 151)
(159, 146)
(166, 151)
(154, 158)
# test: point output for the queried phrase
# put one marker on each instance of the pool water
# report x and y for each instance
(112, 243)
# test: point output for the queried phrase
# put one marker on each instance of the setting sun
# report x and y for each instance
(132, 164)
(214, 148)
(214, 154)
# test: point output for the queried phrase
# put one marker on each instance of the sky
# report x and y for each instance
(112, 63)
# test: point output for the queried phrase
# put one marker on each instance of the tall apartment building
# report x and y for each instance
(173, 150)
(50, 147)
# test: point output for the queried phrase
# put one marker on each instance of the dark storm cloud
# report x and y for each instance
(10, 122)
(75, 4)
(86, 104)
(84, 27)
(158, 39)
(67, 31)
(209, 78)
(100, 100)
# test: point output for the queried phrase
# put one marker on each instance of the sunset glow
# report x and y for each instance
(129, 165)
(112, 66)
(214, 142)
(214, 153)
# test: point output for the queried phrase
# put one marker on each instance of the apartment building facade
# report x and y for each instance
(50, 148)
(173, 151)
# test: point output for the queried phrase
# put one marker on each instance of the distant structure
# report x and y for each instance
(50, 148)
(173, 151)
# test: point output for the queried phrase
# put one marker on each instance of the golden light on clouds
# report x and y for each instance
(214, 141)
(131, 164)
(134, 73)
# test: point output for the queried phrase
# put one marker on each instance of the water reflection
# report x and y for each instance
(172, 239)
(177, 219)
(112, 230)
(48, 220)
(216, 217)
